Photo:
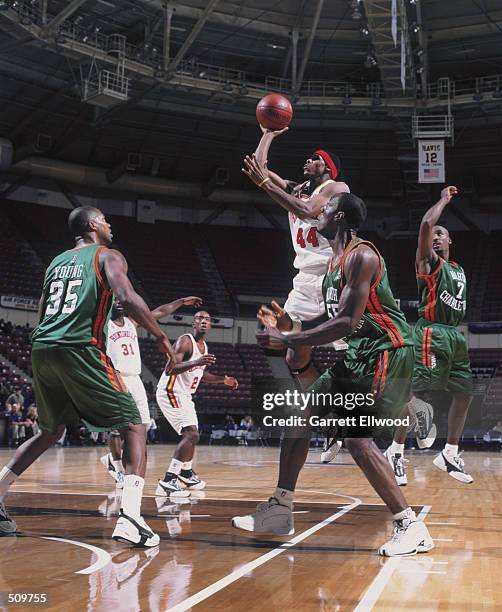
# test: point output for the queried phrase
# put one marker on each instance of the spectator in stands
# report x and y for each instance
(497, 427)
(16, 397)
(247, 422)
(31, 428)
(17, 426)
(229, 422)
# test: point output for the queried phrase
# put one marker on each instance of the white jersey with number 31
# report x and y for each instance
(123, 348)
(312, 250)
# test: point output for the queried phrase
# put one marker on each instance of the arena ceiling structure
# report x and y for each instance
(158, 98)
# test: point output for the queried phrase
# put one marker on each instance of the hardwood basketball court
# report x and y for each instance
(66, 505)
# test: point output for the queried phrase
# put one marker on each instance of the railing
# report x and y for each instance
(72, 30)
(432, 126)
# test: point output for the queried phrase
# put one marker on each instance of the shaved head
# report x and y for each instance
(80, 218)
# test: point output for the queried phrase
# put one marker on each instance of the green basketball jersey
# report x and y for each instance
(442, 294)
(76, 300)
(383, 326)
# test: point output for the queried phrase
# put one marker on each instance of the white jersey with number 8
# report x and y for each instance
(312, 250)
(123, 348)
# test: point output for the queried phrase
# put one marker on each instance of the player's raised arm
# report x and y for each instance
(167, 309)
(115, 267)
(303, 209)
(261, 155)
(426, 256)
(361, 268)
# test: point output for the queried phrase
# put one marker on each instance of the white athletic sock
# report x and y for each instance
(132, 494)
(396, 448)
(451, 450)
(118, 465)
(284, 497)
(187, 465)
(7, 477)
(175, 466)
(405, 514)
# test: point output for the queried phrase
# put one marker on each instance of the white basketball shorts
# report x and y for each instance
(179, 410)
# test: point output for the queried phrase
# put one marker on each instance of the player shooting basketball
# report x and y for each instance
(304, 202)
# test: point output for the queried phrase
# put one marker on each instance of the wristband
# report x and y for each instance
(265, 180)
(296, 329)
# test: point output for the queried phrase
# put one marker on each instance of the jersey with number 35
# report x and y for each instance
(442, 294)
(76, 300)
(123, 348)
(312, 250)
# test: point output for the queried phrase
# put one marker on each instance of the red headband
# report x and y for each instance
(328, 161)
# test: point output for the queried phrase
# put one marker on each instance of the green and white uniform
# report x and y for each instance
(379, 358)
(441, 353)
(73, 378)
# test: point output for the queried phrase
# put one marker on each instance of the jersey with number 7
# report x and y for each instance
(443, 294)
(75, 300)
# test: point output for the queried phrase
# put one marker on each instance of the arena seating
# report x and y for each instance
(260, 261)
(21, 272)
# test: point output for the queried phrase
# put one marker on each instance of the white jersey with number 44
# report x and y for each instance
(123, 348)
(312, 250)
(187, 382)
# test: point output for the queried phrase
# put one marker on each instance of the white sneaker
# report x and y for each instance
(330, 452)
(425, 429)
(397, 464)
(192, 481)
(270, 517)
(7, 525)
(409, 538)
(134, 531)
(454, 466)
(171, 488)
(119, 484)
(106, 460)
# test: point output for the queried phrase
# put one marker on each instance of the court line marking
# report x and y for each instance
(204, 594)
(442, 523)
(443, 540)
(380, 581)
(103, 557)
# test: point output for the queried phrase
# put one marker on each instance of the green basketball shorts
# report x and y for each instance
(80, 383)
(441, 359)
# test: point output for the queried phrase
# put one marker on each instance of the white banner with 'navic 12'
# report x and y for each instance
(431, 166)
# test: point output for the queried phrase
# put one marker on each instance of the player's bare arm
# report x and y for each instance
(311, 209)
(426, 257)
(261, 155)
(167, 309)
(115, 267)
(183, 350)
(214, 379)
(361, 268)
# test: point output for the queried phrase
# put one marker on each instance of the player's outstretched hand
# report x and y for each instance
(265, 337)
(206, 360)
(230, 381)
(255, 171)
(273, 133)
(275, 317)
(448, 192)
(192, 300)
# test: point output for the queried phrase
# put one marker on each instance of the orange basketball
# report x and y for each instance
(274, 112)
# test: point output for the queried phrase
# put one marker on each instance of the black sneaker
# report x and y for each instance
(7, 525)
